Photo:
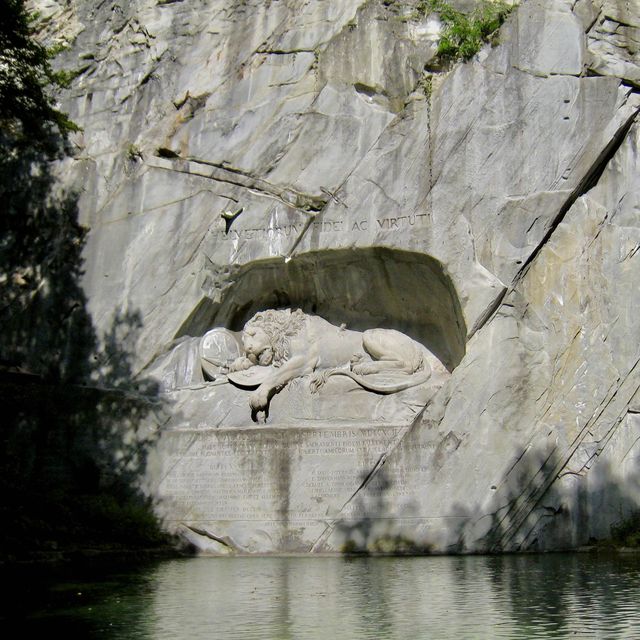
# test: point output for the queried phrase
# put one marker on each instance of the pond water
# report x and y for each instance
(532, 596)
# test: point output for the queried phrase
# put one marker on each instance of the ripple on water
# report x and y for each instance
(546, 596)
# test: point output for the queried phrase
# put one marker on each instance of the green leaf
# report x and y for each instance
(462, 34)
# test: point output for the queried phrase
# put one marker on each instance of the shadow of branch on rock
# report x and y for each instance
(363, 528)
(550, 498)
(75, 429)
(544, 504)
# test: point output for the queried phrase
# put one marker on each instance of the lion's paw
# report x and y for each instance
(317, 381)
(259, 399)
(364, 368)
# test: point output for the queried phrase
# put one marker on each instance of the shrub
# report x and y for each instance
(464, 34)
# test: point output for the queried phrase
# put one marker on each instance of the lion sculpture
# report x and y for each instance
(290, 344)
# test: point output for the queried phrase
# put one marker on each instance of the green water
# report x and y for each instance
(547, 596)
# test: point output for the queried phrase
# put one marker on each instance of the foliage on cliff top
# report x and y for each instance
(464, 34)
(28, 114)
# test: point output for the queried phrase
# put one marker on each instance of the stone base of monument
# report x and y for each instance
(228, 485)
(264, 489)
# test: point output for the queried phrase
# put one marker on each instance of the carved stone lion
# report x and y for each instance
(290, 344)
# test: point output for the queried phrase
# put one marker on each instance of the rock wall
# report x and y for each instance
(244, 155)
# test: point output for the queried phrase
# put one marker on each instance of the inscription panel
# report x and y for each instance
(279, 475)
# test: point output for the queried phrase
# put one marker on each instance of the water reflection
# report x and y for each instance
(550, 596)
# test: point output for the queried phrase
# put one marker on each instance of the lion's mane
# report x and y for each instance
(280, 325)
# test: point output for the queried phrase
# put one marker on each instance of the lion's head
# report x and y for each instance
(266, 336)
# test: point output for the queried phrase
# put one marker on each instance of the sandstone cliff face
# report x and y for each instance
(490, 210)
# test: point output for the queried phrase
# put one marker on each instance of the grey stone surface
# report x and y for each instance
(613, 38)
(249, 155)
(550, 381)
(260, 490)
